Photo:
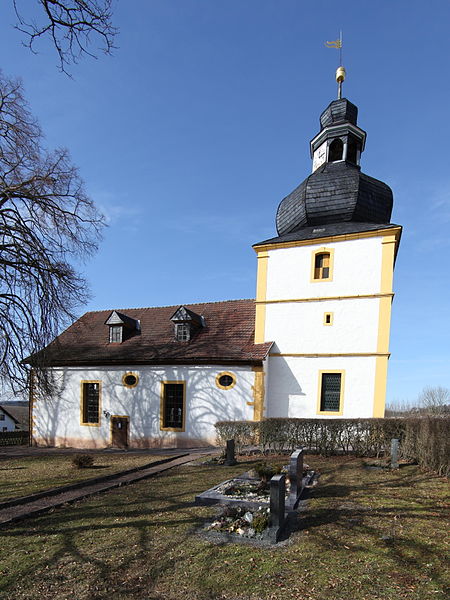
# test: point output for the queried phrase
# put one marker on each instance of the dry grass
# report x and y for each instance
(23, 476)
(366, 535)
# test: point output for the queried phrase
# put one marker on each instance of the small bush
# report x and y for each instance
(265, 472)
(82, 461)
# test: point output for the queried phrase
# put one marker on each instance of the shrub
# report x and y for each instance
(83, 461)
(425, 440)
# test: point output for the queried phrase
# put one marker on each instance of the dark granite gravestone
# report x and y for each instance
(277, 506)
(230, 457)
(394, 453)
(295, 477)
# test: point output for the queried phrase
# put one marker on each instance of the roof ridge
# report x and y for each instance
(169, 305)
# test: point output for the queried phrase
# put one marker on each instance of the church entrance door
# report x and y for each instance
(119, 431)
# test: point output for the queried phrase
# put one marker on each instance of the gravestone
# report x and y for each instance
(230, 457)
(277, 505)
(394, 453)
(295, 476)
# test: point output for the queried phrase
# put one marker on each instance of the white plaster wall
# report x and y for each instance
(293, 389)
(298, 327)
(7, 424)
(356, 270)
(57, 419)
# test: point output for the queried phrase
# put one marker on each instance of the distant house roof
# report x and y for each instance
(227, 338)
(19, 411)
(8, 413)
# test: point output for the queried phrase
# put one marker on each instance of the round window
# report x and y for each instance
(225, 381)
(130, 380)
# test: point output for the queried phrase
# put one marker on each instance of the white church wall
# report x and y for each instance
(57, 420)
(298, 327)
(356, 270)
(293, 388)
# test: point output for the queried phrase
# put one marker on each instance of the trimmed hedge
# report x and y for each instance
(424, 440)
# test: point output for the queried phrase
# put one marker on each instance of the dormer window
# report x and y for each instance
(115, 334)
(187, 324)
(121, 327)
(182, 332)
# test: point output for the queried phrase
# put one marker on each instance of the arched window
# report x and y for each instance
(336, 150)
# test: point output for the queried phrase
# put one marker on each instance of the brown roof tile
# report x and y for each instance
(227, 338)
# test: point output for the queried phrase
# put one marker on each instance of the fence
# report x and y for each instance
(14, 438)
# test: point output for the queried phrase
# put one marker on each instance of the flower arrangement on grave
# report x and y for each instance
(241, 521)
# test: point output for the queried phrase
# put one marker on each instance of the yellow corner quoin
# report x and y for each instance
(83, 381)
(389, 246)
(341, 398)
(261, 293)
(161, 408)
(258, 394)
(323, 250)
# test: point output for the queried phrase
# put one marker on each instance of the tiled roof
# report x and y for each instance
(227, 338)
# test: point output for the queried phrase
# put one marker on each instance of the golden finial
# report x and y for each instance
(340, 76)
(340, 73)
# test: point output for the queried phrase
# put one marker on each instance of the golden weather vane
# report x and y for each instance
(340, 73)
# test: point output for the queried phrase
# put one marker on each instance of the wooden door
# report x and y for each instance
(119, 431)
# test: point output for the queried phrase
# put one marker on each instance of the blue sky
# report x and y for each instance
(190, 135)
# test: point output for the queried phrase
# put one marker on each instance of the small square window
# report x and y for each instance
(328, 318)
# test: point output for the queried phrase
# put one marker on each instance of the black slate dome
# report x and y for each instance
(337, 191)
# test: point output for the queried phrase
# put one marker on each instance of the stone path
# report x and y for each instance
(28, 506)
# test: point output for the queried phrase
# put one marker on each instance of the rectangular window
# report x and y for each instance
(172, 406)
(2, 416)
(322, 266)
(90, 402)
(330, 392)
(182, 332)
(115, 334)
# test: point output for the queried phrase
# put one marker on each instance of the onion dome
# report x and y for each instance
(336, 191)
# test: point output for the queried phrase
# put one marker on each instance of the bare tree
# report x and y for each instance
(46, 222)
(434, 400)
(71, 25)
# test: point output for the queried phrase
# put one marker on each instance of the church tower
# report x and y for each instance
(324, 285)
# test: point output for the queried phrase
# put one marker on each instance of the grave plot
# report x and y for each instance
(259, 506)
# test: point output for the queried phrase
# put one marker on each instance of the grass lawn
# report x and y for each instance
(23, 476)
(365, 535)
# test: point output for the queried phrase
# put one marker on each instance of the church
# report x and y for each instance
(314, 343)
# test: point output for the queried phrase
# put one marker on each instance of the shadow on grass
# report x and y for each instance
(127, 541)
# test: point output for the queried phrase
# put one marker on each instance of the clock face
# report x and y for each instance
(320, 156)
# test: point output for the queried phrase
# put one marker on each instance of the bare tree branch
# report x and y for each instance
(71, 25)
(46, 222)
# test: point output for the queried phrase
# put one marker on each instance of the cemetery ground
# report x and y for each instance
(365, 534)
(29, 475)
